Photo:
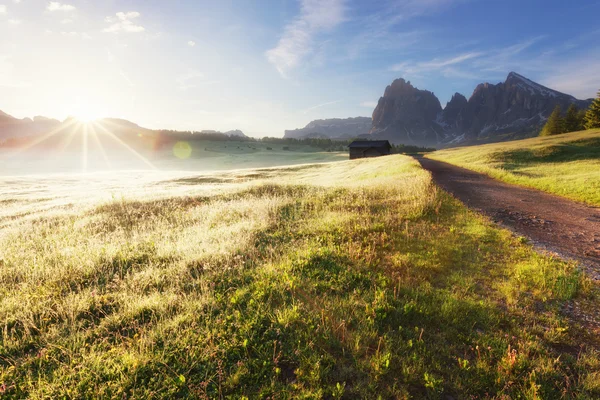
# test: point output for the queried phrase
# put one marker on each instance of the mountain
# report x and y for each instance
(13, 127)
(335, 128)
(406, 114)
(515, 108)
(69, 133)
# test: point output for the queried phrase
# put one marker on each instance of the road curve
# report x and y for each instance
(553, 223)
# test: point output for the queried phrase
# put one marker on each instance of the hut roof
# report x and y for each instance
(359, 144)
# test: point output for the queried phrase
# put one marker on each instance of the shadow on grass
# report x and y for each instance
(586, 149)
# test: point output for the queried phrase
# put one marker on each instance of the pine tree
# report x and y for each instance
(573, 121)
(554, 125)
(592, 116)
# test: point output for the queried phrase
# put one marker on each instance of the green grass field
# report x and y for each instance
(567, 165)
(344, 280)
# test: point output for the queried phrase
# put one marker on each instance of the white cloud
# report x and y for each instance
(437, 63)
(368, 104)
(191, 43)
(320, 105)
(297, 42)
(2, 9)
(56, 6)
(123, 23)
(66, 21)
(409, 67)
(14, 21)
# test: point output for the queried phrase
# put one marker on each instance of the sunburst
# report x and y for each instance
(125, 145)
(89, 141)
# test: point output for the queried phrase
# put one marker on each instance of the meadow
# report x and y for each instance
(340, 280)
(567, 165)
(196, 155)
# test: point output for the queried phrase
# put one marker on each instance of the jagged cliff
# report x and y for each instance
(515, 108)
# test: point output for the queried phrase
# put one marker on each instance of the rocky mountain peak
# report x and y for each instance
(398, 88)
(457, 100)
(407, 111)
(519, 82)
(515, 108)
(453, 109)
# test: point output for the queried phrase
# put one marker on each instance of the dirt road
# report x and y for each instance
(553, 223)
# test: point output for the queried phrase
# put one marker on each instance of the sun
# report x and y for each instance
(85, 112)
(86, 116)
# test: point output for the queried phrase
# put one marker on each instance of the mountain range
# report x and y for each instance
(334, 128)
(513, 109)
(14, 130)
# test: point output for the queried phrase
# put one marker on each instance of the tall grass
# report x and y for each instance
(346, 280)
(567, 165)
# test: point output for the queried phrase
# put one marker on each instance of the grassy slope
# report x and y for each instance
(353, 279)
(567, 165)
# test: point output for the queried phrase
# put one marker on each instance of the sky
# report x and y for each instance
(270, 65)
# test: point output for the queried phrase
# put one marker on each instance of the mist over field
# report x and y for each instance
(197, 156)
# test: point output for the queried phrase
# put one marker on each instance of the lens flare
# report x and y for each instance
(182, 150)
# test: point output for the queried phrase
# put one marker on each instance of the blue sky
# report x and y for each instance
(265, 66)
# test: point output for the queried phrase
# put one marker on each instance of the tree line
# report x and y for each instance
(574, 120)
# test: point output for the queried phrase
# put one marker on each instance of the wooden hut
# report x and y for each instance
(369, 148)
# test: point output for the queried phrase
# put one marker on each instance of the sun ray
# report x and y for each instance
(84, 149)
(69, 138)
(135, 153)
(45, 137)
(94, 135)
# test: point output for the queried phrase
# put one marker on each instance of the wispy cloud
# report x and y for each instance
(409, 67)
(320, 105)
(437, 63)
(379, 31)
(56, 6)
(191, 43)
(477, 64)
(124, 22)
(506, 58)
(297, 41)
(3, 9)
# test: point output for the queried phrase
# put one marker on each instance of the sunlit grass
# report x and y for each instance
(354, 279)
(567, 165)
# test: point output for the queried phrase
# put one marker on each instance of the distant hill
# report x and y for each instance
(235, 133)
(334, 128)
(14, 127)
(18, 132)
(516, 108)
